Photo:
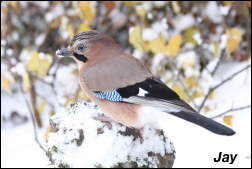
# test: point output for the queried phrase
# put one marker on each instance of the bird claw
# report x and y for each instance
(105, 120)
(140, 134)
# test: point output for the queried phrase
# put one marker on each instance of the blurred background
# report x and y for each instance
(202, 50)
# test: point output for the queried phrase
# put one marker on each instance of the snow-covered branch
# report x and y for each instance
(220, 84)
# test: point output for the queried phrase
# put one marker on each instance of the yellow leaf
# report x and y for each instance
(135, 38)
(69, 101)
(33, 62)
(54, 23)
(180, 92)
(211, 95)
(189, 32)
(190, 81)
(4, 10)
(130, 3)
(141, 11)
(44, 65)
(209, 108)
(83, 27)
(86, 10)
(228, 120)
(5, 83)
(70, 30)
(51, 113)
(82, 95)
(206, 109)
(234, 36)
(215, 44)
(227, 3)
(40, 107)
(14, 4)
(197, 94)
(47, 132)
(157, 45)
(37, 64)
(173, 45)
(175, 7)
(75, 72)
(26, 82)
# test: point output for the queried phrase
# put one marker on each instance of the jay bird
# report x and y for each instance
(124, 88)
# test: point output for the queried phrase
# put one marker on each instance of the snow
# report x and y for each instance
(13, 61)
(137, 54)
(108, 148)
(20, 149)
(186, 59)
(3, 42)
(202, 146)
(23, 55)
(197, 37)
(70, 84)
(42, 4)
(161, 26)
(57, 11)
(149, 34)
(182, 22)
(156, 62)
(149, 15)
(9, 52)
(40, 39)
(118, 17)
(224, 9)
(159, 4)
(212, 12)
(15, 36)
(19, 68)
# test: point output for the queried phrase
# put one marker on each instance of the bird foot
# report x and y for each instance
(140, 134)
(106, 120)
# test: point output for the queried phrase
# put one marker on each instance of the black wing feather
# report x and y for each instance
(155, 88)
(161, 95)
(205, 122)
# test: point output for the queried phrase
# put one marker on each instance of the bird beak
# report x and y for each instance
(65, 52)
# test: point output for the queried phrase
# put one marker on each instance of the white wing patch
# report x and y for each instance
(142, 92)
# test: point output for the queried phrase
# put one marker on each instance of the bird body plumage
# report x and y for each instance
(123, 87)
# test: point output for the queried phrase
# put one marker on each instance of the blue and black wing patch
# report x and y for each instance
(111, 96)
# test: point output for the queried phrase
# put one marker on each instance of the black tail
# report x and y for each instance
(205, 122)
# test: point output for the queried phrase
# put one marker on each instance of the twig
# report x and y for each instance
(32, 118)
(218, 63)
(220, 84)
(171, 63)
(230, 110)
(98, 14)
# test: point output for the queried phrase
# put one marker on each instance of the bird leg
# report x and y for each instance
(104, 119)
(140, 134)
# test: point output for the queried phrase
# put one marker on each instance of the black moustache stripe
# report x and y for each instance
(80, 57)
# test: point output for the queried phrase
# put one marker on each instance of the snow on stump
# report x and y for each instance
(78, 140)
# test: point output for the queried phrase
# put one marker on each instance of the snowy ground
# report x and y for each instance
(195, 147)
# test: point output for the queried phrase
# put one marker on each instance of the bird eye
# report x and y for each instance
(80, 47)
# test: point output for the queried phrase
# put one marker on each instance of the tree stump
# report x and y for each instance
(78, 140)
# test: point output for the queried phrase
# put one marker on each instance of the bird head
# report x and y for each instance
(89, 47)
